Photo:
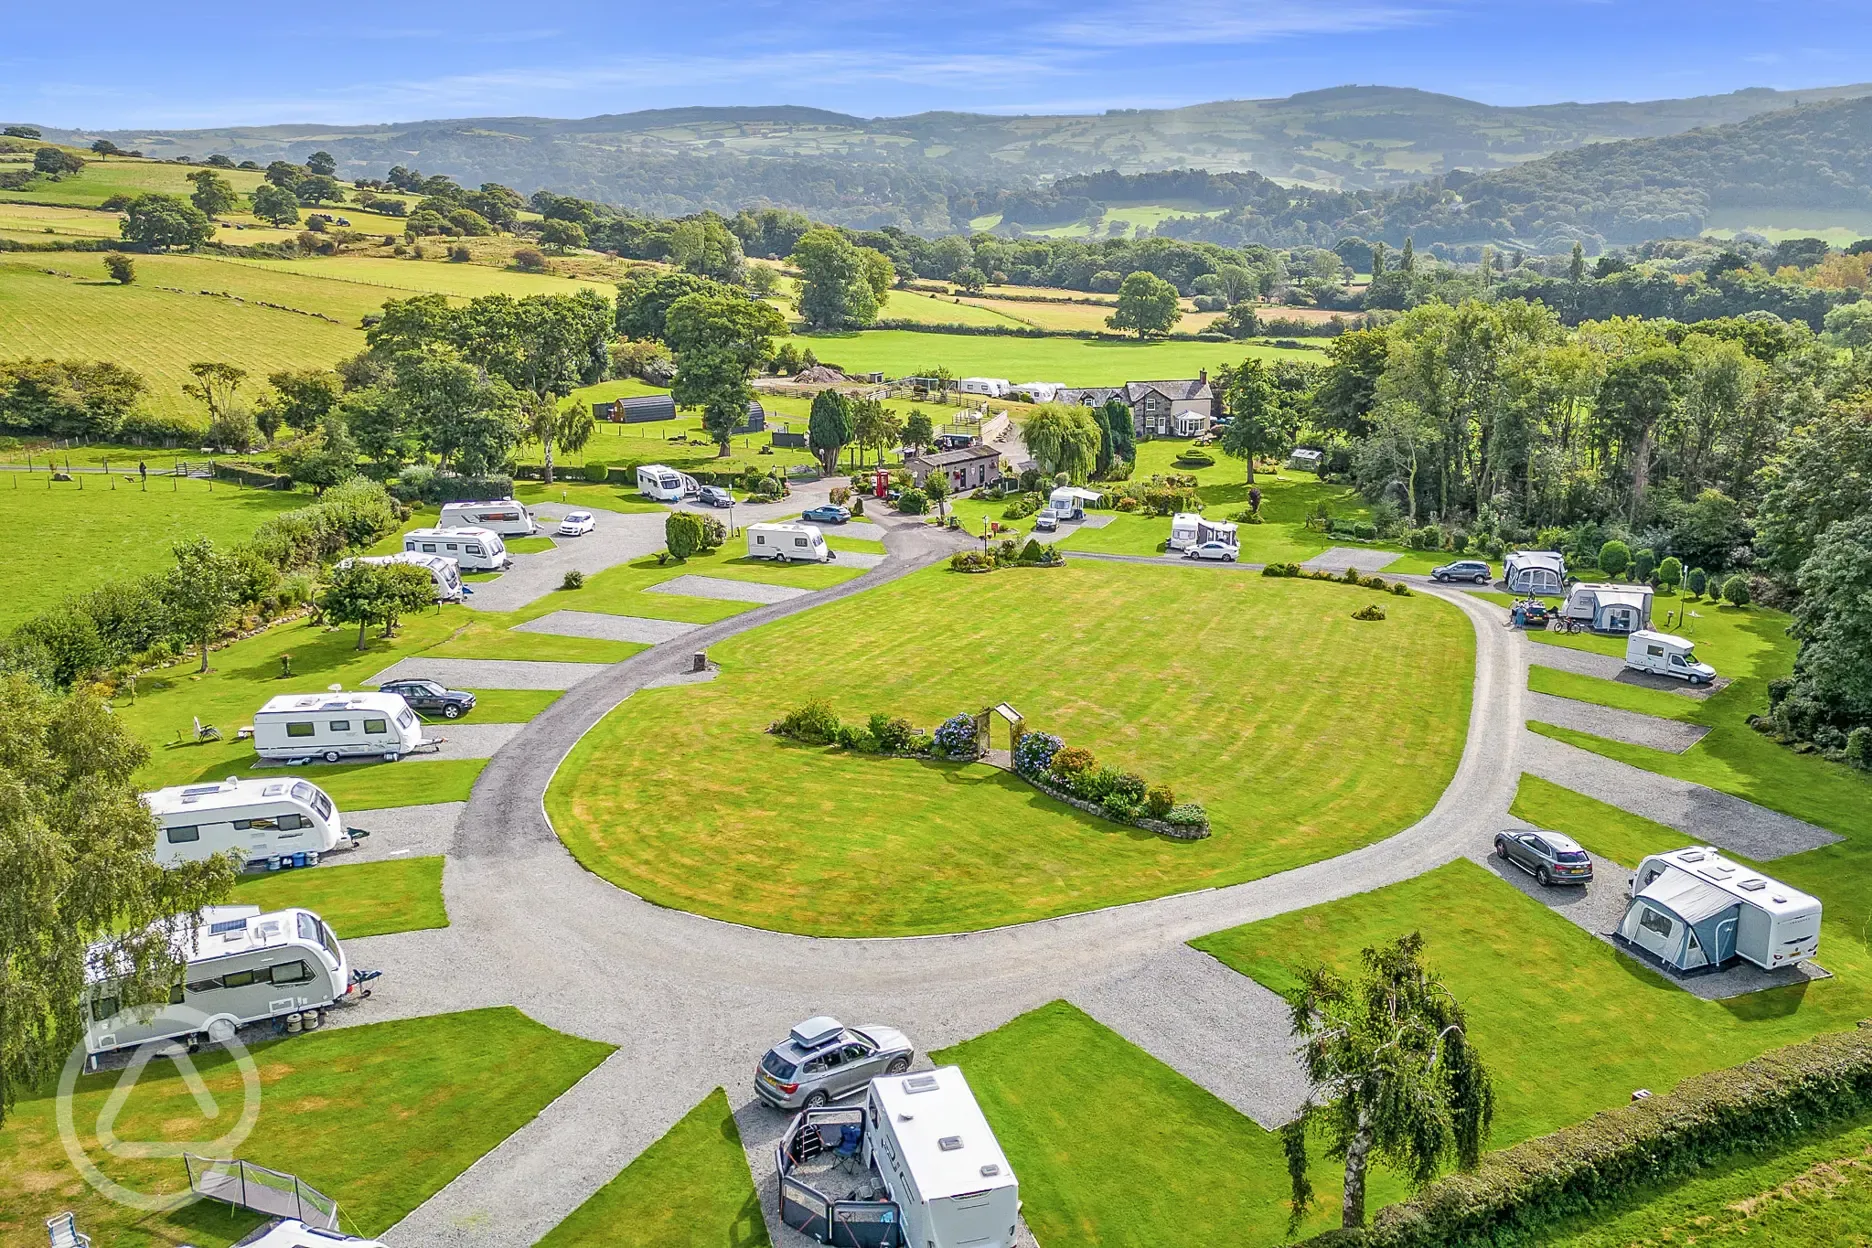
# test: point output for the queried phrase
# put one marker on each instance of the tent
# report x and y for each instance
(1535, 571)
(1684, 922)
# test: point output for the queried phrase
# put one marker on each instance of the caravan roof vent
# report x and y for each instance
(1691, 855)
(949, 1143)
(1780, 899)
(227, 925)
(200, 789)
(990, 1170)
(921, 1083)
(1755, 884)
(1720, 873)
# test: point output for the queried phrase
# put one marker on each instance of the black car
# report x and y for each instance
(426, 697)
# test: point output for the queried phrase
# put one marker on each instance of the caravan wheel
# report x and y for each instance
(332, 756)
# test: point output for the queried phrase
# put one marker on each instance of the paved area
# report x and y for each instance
(402, 832)
(606, 627)
(618, 537)
(462, 739)
(1339, 558)
(1704, 816)
(859, 559)
(1609, 667)
(490, 673)
(690, 586)
(1653, 731)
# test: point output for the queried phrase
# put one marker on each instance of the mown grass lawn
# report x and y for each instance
(1074, 361)
(1115, 1149)
(357, 899)
(64, 539)
(691, 1187)
(377, 1117)
(622, 590)
(1305, 733)
(1639, 699)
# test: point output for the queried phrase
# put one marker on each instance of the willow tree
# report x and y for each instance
(1393, 1075)
(1062, 439)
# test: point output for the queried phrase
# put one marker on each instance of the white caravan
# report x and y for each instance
(788, 542)
(336, 726)
(444, 572)
(1646, 651)
(259, 819)
(993, 387)
(665, 484)
(475, 550)
(505, 516)
(1693, 907)
(242, 967)
(928, 1140)
(1188, 529)
(1609, 607)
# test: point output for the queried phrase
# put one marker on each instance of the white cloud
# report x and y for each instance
(1221, 22)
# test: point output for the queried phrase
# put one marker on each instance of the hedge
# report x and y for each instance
(251, 475)
(1769, 1101)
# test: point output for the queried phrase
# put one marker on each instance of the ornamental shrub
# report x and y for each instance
(1097, 785)
(1614, 558)
(1350, 576)
(1034, 753)
(1859, 747)
(1459, 541)
(1400, 589)
(955, 737)
(573, 579)
(1159, 801)
(854, 737)
(1736, 590)
(1188, 815)
(971, 561)
(1071, 761)
(1670, 572)
(1370, 612)
(913, 502)
(1365, 531)
(1697, 582)
(1121, 807)
(1644, 563)
(894, 735)
(814, 723)
(682, 533)
(596, 472)
(1281, 569)
(1031, 552)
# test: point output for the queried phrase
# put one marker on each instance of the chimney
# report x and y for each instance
(1203, 376)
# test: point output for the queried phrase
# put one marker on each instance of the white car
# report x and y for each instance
(1211, 550)
(577, 524)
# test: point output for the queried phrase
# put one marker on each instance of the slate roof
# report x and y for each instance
(960, 455)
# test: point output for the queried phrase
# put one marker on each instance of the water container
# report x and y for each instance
(299, 858)
(293, 1023)
(273, 862)
(311, 1020)
(312, 857)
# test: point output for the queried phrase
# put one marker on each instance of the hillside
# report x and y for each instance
(934, 171)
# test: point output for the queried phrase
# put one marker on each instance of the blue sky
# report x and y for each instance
(157, 64)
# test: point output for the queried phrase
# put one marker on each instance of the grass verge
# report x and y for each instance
(357, 899)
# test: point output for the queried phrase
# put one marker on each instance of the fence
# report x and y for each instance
(846, 1223)
(247, 1186)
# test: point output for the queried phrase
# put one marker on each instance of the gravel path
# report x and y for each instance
(490, 673)
(461, 740)
(402, 832)
(618, 537)
(1339, 558)
(606, 627)
(859, 559)
(1653, 731)
(691, 1000)
(1703, 815)
(691, 586)
(1582, 662)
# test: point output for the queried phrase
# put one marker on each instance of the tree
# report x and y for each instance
(1698, 582)
(839, 282)
(215, 386)
(352, 595)
(1348, 389)
(1644, 563)
(1062, 440)
(1614, 558)
(705, 245)
(79, 871)
(644, 301)
(285, 174)
(1735, 590)
(213, 194)
(1824, 475)
(1639, 393)
(56, 162)
(562, 236)
(302, 398)
(159, 222)
(317, 189)
(1248, 392)
(874, 425)
(1393, 1075)
(682, 534)
(1670, 572)
(829, 427)
(1833, 623)
(918, 430)
(323, 458)
(936, 487)
(1147, 304)
(200, 592)
(275, 204)
(406, 588)
(121, 268)
(720, 337)
(548, 423)
(322, 164)
(375, 418)
(1123, 430)
(22, 132)
(467, 419)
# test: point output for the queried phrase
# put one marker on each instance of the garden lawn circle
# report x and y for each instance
(1306, 734)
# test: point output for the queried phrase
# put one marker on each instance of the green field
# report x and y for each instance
(67, 538)
(691, 1187)
(1251, 695)
(399, 278)
(103, 177)
(357, 899)
(377, 1117)
(1075, 361)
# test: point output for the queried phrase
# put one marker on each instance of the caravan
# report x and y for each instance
(788, 542)
(444, 573)
(473, 550)
(503, 515)
(1189, 530)
(242, 967)
(665, 484)
(259, 819)
(336, 726)
(928, 1140)
(1693, 908)
(1608, 608)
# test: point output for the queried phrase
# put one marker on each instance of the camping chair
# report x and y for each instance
(206, 732)
(63, 1232)
(851, 1137)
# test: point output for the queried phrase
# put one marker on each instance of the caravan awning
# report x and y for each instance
(1689, 898)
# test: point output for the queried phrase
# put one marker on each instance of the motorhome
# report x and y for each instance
(1188, 529)
(259, 819)
(242, 967)
(1665, 655)
(1693, 908)
(788, 542)
(474, 550)
(503, 515)
(1535, 572)
(665, 484)
(927, 1138)
(444, 572)
(336, 726)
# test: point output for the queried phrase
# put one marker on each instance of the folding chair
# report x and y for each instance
(851, 1138)
(63, 1232)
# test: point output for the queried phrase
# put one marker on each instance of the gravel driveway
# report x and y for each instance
(606, 627)
(618, 537)
(490, 673)
(1339, 558)
(1652, 731)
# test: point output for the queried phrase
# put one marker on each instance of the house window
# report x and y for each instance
(301, 728)
(181, 836)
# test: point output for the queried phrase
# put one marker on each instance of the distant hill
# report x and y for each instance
(930, 171)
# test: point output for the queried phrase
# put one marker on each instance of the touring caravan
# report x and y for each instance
(1068, 502)
(503, 515)
(242, 967)
(336, 726)
(259, 819)
(1693, 908)
(1188, 529)
(444, 573)
(1665, 655)
(1608, 608)
(474, 550)
(788, 542)
(993, 387)
(1535, 572)
(928, 1140)
(665, 484)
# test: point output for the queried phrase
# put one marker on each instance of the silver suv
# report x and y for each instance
(822, 1060)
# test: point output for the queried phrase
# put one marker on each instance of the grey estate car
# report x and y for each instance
(1547, 856)
(1462, 570)
(823, 1060)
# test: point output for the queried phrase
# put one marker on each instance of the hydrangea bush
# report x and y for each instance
(955, 737)
(1035, 753)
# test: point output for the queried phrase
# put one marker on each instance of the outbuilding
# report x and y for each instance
(1608, 608)
(929, 1141)
(1305, 459)
(1535, 572)
(1693, 909)
(636, 410)
(965, 467)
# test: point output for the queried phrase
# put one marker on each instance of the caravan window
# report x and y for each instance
(242, 825)
(429, 548)
(1652, 921)
(376, 726)
(328, 940)
(238, 979)
(301, 728)
(292, 973)
(405, 719)
(340, 725)
(308, 927)
(181, 836)
(204, 985)
(103, 1008)
(473, 550)
(799, 541)
(318, 801)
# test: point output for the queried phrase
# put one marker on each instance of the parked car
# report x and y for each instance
(1463, 570)
(1046, 521)
(426, 697)
(577, 524)
(826, 513)
(822, 1060)
(1211, 550)
(714, 496)
(1547, 856)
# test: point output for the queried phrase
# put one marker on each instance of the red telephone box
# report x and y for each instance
(882, 483)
